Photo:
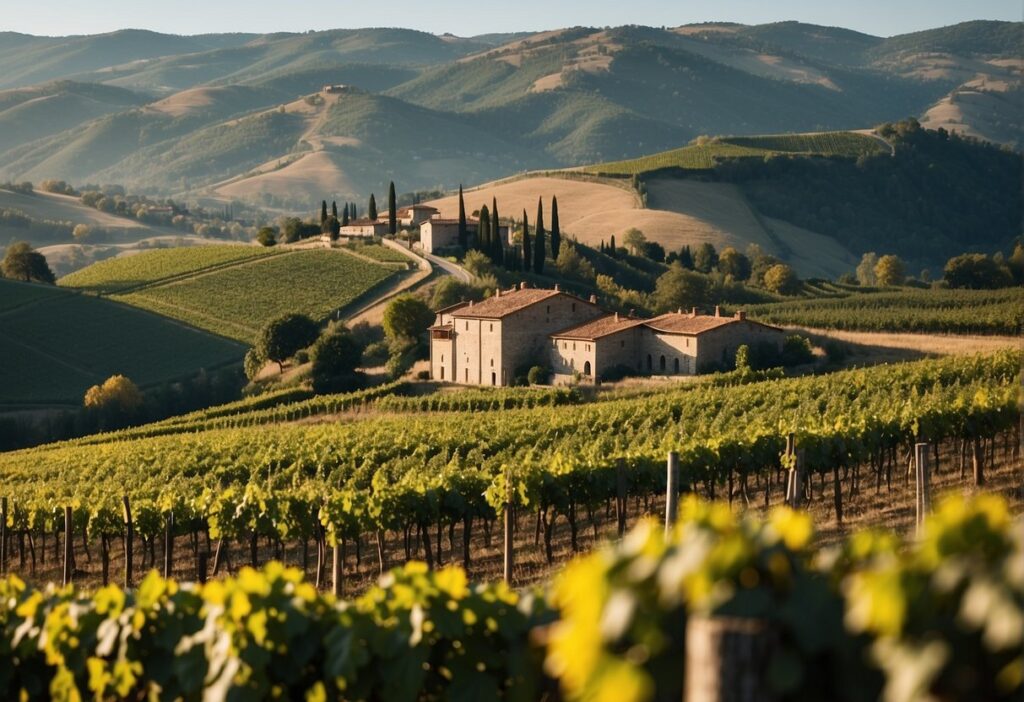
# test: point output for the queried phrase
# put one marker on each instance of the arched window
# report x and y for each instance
(661, 363)
(586, 368)
(442, 372)
(677, 366)
(494, 379)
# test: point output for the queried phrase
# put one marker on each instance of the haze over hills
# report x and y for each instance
(239, 116)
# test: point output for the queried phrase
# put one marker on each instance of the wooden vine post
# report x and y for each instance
(620, 495)
(69, 544)
(509, 526)
(168, 544)
(671, 491)
(3, 534)
(201, 559)
(727, 660)
(922, 479)
(336, 565)
(129, 539)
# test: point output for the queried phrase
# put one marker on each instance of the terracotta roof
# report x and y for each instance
(506, 303)
(362, 223)
(441, 327)
(440, 220)
(597, 328)
(677, 323)
(452, 308)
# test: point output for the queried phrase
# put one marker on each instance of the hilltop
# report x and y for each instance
(201, 115)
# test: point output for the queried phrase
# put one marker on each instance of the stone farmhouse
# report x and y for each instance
(365, 227)
(437, 234)
(488, 342)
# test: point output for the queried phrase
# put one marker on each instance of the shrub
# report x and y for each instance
(538, 375)
(375, 354)
(796, 351)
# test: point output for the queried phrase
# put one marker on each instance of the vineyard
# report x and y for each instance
(939, 618)
(237, 301)
(379, 252)
(55, 344)
(394, 479)
(703, 156)
(159, 266)
(905, 310)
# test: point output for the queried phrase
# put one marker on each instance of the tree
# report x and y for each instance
(371, 212)
(890, 271)
(118, 398)
(497, 245)
(654, 251)
(483, 233)
(705, 258)
(333, 227)
(539, 249)
(634, 240)
(323, 214)
(344, 215)
(611, 247)
(571, 265)
(866, 269)
(680, 288)
(781, 279)
(406, 318)
(976, 271)
(335, 356)
(285, 336)
(527, 254)
(463, 230)
(21, 262)
(556, 230)
(266, 236)
(732, 262)
(392, 210)
(334, 209)
(81, 232)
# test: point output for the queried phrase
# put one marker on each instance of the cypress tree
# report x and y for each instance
(497, 245)
(611, 247)
(539, 249)
(344, 215)
(323, 212)
(334, 209)
(463, 231)
(372, 213)
(483, 233)
(392, 210)
(556, 232)
(527, 253)
(352, 214)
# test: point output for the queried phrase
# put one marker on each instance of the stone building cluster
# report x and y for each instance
(489, 342)
(436, 233)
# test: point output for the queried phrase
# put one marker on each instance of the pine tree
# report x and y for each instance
(556, 232)
(463, 230)
(334, 209)
(539, 249)
(323, 212)
(392, 210)
(527, 250)
(372, 213)
(483, 233)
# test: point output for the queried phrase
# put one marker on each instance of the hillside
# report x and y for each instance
(233, 291)
(559, 98)
(56, 344)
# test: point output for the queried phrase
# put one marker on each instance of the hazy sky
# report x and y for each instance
(880, 17)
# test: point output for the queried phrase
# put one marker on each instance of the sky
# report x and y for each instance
(878, 17)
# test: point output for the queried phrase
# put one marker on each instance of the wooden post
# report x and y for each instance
(168, 544)
(3, 534)
(922, 478)
(201, 567)
(798, 480)
(791, 472)
(727, 660)
(129, 538)
(978, 461)
(336, 570)
(620, 496)
(69, 540)
(671, 491)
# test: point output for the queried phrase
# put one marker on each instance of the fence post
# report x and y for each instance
(620, 496)
(798, 480)
(671, 491)
(727, 659)
(791, 472)
(336, 570)
(69, 539)
(3, 534)
(129, 538)
(201, 567)
(922, 479)
(168, 544)
(509, 524)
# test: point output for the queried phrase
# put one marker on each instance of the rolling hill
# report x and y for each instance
(57, 343)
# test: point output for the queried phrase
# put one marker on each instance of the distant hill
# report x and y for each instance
(56, 344)
(218, 115)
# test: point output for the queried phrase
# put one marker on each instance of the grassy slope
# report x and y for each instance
(56, 344)
(237, 300)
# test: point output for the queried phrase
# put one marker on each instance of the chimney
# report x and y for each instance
(740, 314)
(558, 288)
(593, 299)
(693, 312)
(470, 303)
(616, 316)
(718, 311)
(497, 292)
(522, 285)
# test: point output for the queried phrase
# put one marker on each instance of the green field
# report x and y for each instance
(379, 252)
(55, 344)
(236, 301)
(704, 155)
(161, 265)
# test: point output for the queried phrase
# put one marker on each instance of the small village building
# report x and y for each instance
(486, 343)
(365, 228)
(415, 215)
(438, 234)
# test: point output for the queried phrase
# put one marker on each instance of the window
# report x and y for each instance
(491, 327)
(622, 344)
(467, 375)
(492, 363)
(588, 347)
(565, 345)
(548, 311)
(586, 368)
(442, 372)
(677, 366)
(687, 343)
(650, 364)
(467, 326)
(574, 346)
(494, 379)
(661, 363)
(442, 358)
(574, 307)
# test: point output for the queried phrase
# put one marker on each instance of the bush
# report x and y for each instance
(781, 279)
(254, 362)
(796, 351)
(302, 356)
(423, 375)
(617, 372)
(538, 375)
(376, 354)
(835, 351)
(336, 355)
